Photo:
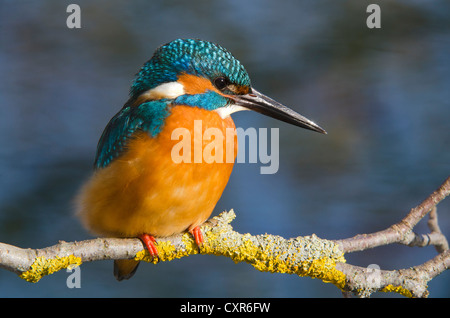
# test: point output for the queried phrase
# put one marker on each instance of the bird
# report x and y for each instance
(137, 189)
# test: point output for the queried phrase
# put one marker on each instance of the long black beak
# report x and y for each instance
(267, 106)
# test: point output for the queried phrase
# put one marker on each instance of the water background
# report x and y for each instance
(383, 95)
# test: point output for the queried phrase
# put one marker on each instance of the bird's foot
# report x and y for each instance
(198, 236)
(149, 242)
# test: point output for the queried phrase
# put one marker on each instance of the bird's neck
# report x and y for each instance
(200, 136)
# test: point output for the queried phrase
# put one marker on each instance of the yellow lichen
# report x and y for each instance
(189, 244)
(397, 289)
(325, 269)
(308, 256)
(167, 251)
(304, 256)
(42, 267)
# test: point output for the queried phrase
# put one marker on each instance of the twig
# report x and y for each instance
(401, 232)
(305, 256)
(410, 282)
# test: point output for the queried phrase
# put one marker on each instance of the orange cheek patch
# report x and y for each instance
(195, 85)
(240, 89)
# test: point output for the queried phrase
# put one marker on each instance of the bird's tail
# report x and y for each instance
(125, 268)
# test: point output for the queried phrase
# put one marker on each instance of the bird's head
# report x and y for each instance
(203, 74)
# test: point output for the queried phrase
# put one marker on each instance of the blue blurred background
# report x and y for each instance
(382, 94)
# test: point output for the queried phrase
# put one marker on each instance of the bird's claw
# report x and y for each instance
(149, 242)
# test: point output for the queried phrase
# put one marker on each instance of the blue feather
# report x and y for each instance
(148, 117)
(195, 57)
(181, 56)
(209, 100)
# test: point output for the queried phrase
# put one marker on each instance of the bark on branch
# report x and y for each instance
(305, 256)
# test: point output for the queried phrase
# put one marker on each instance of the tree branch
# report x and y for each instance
(305, 256)
(401, 232)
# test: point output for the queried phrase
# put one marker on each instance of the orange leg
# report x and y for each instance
(198, 236)
(149, 242)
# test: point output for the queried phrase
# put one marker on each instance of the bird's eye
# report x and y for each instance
(221, 82)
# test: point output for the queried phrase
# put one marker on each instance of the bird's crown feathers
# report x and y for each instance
(189, 56)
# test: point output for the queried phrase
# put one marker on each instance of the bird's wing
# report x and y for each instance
(147, 117)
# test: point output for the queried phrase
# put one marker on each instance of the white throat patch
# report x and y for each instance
(226, 111)
(167, 90)
(172, 90)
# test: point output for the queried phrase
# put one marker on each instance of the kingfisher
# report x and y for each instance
(137, 188)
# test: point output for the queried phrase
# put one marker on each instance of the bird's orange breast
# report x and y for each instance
(163, 185)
